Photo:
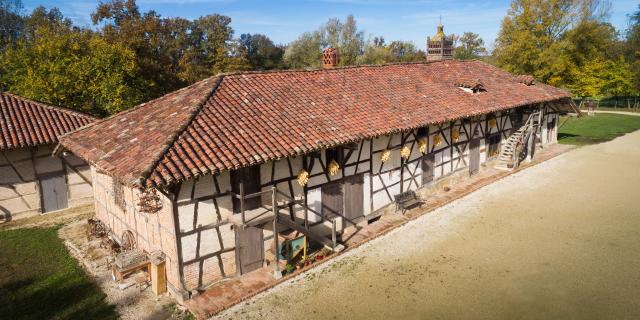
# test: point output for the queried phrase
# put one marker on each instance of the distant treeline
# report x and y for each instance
(129, 57)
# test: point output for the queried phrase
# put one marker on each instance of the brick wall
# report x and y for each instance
(152, 231)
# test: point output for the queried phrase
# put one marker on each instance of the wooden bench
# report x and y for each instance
(407, 200)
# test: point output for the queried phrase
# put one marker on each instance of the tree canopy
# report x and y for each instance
(566, 43)
(470, 46)
(128, 56)
(305, 52)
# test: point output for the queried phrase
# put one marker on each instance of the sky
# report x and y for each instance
(283, 21)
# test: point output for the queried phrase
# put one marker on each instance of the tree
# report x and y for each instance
(632, 50)
(471, 46)
(602, 78)
(261, 53)
(564, 43)
(529, 31)
(75, 68)
(11, 22)
(376, 52)
(305, 51)
(171, 52)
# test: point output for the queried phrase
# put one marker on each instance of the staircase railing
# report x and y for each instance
(303, 204)
(527, 133)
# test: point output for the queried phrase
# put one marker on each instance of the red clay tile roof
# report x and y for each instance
(27, 123)
(235, 120)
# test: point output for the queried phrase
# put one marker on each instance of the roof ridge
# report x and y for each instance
(357, 66)
(146, 173)
(49, 106)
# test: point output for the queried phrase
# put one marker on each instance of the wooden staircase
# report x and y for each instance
(510, 152)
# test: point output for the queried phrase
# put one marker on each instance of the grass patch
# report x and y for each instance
(40, 280)
(595, 129)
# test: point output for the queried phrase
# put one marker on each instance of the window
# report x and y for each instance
(494, 145)
(334, 154)
(516, 117)
(422, 133)
(249, 177)
(118, 194)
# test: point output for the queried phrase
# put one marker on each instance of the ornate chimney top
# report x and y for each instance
(439, 34)
(330, 58)
(440, 46)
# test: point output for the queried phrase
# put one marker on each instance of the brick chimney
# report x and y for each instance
(330, 58)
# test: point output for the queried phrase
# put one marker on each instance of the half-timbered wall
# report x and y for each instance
(204, 238)
(21, 171)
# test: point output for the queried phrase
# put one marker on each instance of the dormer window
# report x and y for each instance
(470, 85)
(526, 79)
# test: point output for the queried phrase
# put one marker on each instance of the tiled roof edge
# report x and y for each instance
(146, 173)
(50, 106)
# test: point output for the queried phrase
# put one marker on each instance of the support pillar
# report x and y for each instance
(276, 269)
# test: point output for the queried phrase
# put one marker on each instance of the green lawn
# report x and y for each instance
(595, 129)
(40, 280)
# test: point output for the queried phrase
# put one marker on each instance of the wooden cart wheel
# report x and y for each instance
(128, 241)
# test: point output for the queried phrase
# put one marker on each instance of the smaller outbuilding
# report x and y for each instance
(32, 181)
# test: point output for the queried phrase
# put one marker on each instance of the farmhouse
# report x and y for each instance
(208, 174)
(31, 180)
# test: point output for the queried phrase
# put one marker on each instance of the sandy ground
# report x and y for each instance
(560, 240)
(628, 113)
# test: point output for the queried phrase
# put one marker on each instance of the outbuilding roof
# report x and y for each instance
(27, 123)
(234, 120)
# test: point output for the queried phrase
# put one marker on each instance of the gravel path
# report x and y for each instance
(560, 240)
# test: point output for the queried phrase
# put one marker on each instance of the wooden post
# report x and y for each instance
(334, 239)
(276, 269)
(242, 202)
(540, 125)
(158, 275)
(306, 212)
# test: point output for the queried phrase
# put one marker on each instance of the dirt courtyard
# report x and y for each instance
(560, 240)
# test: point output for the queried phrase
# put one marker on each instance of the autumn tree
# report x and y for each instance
(561, 42)
(469, 46)
(171, 52)
(71, 67)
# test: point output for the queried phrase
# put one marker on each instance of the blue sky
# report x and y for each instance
(283, 21)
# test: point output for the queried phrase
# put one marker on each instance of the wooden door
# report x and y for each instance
(427, 168)
(250, 177)
(53, 192)
(474, 155)
(354, 196)
(249, 249)
(332, 199)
